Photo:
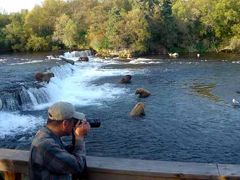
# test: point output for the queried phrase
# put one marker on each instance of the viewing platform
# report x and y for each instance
(14, 165)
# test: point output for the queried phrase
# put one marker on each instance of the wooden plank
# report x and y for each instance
(12, 176)
(15, 163)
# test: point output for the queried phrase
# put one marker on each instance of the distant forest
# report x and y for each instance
(124, 27)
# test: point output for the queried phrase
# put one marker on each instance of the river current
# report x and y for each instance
(189, 115)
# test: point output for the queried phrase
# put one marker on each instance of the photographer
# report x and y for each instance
(49, 158)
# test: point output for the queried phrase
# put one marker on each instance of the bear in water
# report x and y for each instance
(44, 77)
(126, 79)
(138, 110)
(143, 93)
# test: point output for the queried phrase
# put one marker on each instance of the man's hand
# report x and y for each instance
(81, 129)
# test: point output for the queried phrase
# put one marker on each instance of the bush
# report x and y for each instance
(37, 44)
(235, 44)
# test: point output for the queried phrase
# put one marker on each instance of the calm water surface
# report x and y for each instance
(189, 116)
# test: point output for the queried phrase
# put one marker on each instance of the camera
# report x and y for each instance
(94, 123)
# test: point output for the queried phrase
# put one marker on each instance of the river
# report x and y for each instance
(189, 115)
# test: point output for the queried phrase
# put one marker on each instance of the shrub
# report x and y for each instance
(235, 44)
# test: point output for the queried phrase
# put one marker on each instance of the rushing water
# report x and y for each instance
(189, 116)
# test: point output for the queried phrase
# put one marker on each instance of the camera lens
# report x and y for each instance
(94, 123)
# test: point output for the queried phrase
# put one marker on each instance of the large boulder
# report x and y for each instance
(126, 79)
(67, 60)
(44, 76)
(138, 110)
(142, 93)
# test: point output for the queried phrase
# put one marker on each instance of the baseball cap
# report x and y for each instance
(64, 111)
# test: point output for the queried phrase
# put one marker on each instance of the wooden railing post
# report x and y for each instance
(12, 176)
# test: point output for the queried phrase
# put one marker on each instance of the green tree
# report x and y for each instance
(65, 31)
(133, 31)
(224, 19)
(42, 18)
(118, 25)
(16, 33)
(79, 11)
(193, 34)
(224, 15)
(98, 19)
(4, 20)
(35, 43)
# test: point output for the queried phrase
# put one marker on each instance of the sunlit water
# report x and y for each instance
(189, 116)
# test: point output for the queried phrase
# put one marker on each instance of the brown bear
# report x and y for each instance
(44, 76)
(138, 110)
(84, 58)
(143, 93)
(126, 79)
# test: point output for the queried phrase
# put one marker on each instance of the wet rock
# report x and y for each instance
(67, 60)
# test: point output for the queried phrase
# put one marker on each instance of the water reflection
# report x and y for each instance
(205, 90)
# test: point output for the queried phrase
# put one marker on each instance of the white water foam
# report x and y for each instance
(27, 62)
(3, 60)
(145, 61)
(236, 62)
(13, 123)
(74, 84)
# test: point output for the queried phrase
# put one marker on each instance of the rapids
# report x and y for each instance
(189, 115)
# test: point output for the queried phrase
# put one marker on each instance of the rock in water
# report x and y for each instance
(67, 60)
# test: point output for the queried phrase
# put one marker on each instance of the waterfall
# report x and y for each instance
(70, 83)
(78, 54)
(26, 98)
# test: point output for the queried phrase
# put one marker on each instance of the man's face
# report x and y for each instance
(69, 126)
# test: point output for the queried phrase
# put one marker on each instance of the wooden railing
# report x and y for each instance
(14, 166)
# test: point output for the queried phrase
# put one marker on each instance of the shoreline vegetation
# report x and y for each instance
(124, 28)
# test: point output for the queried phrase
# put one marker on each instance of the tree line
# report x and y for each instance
(124, 27)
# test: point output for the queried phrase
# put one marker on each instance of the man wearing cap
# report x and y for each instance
(49, 157)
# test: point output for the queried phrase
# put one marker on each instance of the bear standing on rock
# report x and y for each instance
(138, 110)
(143, 93)
(44, 76)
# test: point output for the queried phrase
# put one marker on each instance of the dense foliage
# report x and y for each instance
(124, 26)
